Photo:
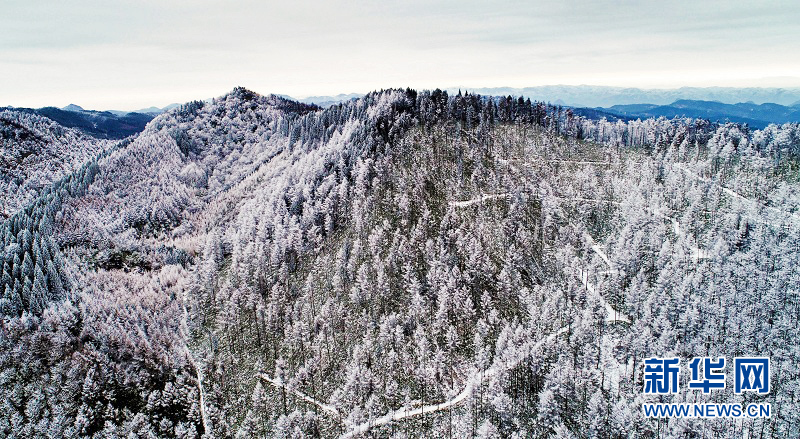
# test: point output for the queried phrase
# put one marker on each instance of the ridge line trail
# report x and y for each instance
(697, 252)
(612, 314)
(735, 194)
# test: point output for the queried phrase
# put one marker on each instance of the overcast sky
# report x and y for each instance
(132, 54)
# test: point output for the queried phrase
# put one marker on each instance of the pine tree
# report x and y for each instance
(55, 285)
(10, 304)
(27, 265)
(35, 304)
(16, 270)
(6, 279)
(39, 291)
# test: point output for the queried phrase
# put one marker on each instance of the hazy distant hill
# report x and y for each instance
(326, 101)
(757, 116)
(149, 110)
(99, 124)
(602, 96)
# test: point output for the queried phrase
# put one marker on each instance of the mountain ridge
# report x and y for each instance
(98, 124)
(606, 96)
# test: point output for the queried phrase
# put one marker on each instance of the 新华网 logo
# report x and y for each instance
(750, 374)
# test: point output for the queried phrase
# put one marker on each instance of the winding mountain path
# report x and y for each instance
(794, 216)
(477, 200)
(198, 370)
(476, 379)
(280, 384)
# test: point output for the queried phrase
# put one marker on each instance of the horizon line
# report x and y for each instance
(455, 87)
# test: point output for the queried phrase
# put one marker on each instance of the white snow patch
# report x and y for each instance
(279, 383)
(612, 315)
(477, 200)
(698, 254)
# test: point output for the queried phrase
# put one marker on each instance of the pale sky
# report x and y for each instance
(127, 55)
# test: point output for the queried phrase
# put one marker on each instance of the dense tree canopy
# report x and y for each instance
(406, 264)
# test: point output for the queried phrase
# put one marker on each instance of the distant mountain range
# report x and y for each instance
(326, 101)
(632, 103)
(602, 96)
(98, 124)
(149, 110)
(758, 107)
(757, 116)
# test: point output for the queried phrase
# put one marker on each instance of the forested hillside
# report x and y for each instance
(34, 152)
(755, 116)
(408, 264)
(114, 125)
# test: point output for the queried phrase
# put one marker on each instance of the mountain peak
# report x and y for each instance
(73, 107)
(244, 94)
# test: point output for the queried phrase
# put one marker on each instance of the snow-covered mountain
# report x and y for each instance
(36, 151)
(73, 108)
(98, 124)
(406, 264)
